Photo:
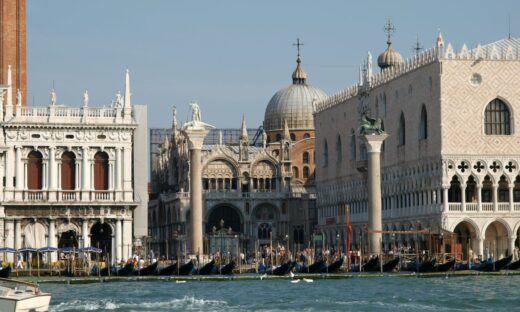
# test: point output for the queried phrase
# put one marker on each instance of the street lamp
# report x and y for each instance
(287, 242)
(337, 244)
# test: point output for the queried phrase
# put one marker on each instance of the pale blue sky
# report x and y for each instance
(231, 56)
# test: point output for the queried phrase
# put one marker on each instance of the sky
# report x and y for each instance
(230, 55)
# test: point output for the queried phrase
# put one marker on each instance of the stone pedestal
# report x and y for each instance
(196, 137)
(373, 145)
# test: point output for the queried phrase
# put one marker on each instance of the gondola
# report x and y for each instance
(461, 266)
(390, 264)
(333, 267)
(5, 272)
(228, 268)
(446, 266)
(425, 266)
(149, 270)
(169, 270)
(128, 269)
(186, 269)
(104, 271)
(284, 268)
(372, 265)
(316, 267)
(208, 269)
(511, 266)
(490, 266)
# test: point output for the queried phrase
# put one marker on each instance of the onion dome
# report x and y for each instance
(389, 57)
(293, 104)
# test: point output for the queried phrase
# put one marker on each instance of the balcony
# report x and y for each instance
(238, 195)
(63, 196)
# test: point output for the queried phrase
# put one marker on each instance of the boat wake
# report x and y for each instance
(186, 303)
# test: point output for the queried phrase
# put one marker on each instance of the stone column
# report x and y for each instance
(18, 172)
(9, 239)
(445, 189)
(374, 142)
(17, 234)
(195, 139)
(118, 174)
(511, 189)
(495, 197)
(479, 197)
(85, 175)
(480, 247)
(9, 160)
(52, 174)
(512, 244)
(118, 234)
(127, 174)
(463, 197)
(84, 233)
(127, 239)
(52, 239)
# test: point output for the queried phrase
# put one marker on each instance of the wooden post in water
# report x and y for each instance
(381, 255)
(271, 249)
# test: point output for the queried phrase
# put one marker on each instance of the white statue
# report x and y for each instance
(220, 137)
(85, 98)
(18, 97)
(264, 139)
(53, 97)
(119, 100)
(195, 112)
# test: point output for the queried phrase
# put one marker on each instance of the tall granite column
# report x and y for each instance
(373, 144)
(196, 137)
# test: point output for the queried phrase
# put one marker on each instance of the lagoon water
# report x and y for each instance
(485, 293)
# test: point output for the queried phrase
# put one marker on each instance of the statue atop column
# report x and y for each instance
(196, 122)
(85, 99)
(53, 97)
(371, 125)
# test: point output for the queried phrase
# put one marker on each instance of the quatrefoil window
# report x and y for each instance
(494, 166)
(463, 166)
(479, 166)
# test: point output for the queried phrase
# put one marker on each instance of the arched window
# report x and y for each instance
(293, 137)
(325, 154)
(401, 131)
(384, 104)
(305, 172)
(264, 231)
(497, 118)
(295, 172)
(306, 136)
(101, 171)
(278, 137)
(423, 125)
(34, 171)
(305, 157)
(338, 149)
(353, 145)
(68, 171)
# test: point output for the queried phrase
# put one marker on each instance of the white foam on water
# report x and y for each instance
(186, 303)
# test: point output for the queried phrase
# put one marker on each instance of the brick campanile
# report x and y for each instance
(13, 44)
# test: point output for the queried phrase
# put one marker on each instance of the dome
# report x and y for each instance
(294, 104)
(389, 57)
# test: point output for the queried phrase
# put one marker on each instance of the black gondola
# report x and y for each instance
(372, 265)
(228, 268)
(149, 270)
(390, 265)
(169, 270)
(490, 266)
(104, 271)
(208, 269)
(446, 266)
(186, 269)
(425, 266)
(334, 267)
(128, 269)
(316, 267)
(284, 268)
(5, 272)
(513, 265)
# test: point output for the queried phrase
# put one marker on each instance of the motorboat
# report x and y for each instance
(17, 296)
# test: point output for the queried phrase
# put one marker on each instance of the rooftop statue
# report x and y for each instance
(371, 125)
(53, 97)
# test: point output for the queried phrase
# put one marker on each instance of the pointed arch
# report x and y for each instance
(423, 124)
(352, 145)
(401, 132)
(325, 153)
(339, 155)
